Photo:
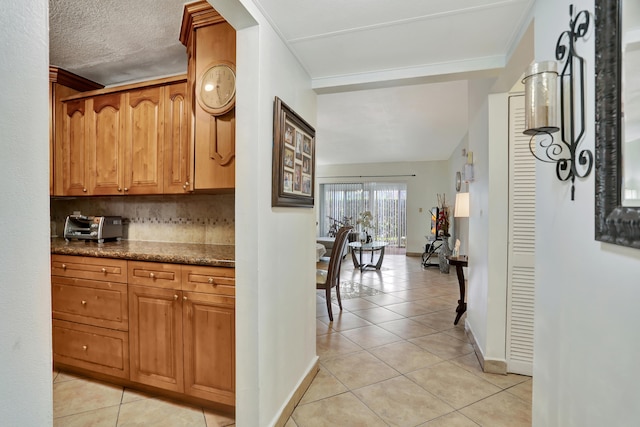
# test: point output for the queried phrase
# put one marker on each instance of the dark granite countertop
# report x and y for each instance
(176, 253)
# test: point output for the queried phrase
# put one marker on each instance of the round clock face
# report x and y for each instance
(217, 89)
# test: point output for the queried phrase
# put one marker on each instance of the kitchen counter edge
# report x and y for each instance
(167, 252)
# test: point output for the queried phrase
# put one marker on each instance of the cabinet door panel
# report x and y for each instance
(72, 150)
(209, 347)
(155, 333)
(177, 170)
(106, 146)
(144, 140)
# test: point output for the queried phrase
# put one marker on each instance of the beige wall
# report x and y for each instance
(25, 310)
(586, 370)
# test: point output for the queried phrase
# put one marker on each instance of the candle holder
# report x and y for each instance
(541, 82)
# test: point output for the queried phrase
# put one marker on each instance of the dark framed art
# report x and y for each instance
(614, 222)
(294, 144)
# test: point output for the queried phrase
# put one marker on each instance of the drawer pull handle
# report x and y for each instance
(84, 347)
(104, 270)
(211, 281)
(84, 302)
(152, 275)
(64, 266)
(175, 297)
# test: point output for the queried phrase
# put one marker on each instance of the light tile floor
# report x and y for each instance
(392, 357)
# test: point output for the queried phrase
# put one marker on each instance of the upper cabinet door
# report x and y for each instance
(177, 167)
(72, 153)
(105, 145)
(144, 134)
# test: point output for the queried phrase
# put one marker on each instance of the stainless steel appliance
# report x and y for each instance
(96, 228)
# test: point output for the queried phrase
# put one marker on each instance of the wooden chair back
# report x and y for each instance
(335, 262)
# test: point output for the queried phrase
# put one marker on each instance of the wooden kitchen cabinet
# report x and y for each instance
(105, 145)
(144, 140)
(183, 340)
(155, 337)
(61, 85)
(168, 326)
(71, 151)
(90, 314)
(91, 148)
(178, 167)
(131, 139)
(209, 346)
(209, 40)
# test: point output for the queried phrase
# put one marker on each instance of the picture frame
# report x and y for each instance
(294, 143)
(614, 223)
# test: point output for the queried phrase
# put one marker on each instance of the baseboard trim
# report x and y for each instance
(415, 254)
(490, 366)
(297, 394)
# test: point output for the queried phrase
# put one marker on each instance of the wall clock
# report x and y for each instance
(216, 88)
(458, 180)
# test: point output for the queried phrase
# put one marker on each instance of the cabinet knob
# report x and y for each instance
(84, 302)
(64, 266)
(84, 347)
(119, 189)
(84, 190)
(126, 189)
(104, 270)
(152, 275)
(175, 297)
(186, 185)
(184, 298)
(211, 281)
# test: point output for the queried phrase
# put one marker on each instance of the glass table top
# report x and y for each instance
(370, 245)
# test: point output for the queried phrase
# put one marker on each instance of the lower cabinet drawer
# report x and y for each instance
(86, 267)
(91, 302)
(209, 280)
(90, 347)
(154, 274)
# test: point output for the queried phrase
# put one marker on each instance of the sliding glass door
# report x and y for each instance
(343, 203)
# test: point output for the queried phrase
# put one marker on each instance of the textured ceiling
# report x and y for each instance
(116, 41)
(391, 76)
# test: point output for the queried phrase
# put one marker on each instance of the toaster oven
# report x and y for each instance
(95, 228)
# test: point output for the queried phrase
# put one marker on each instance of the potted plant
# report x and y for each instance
(365, 221)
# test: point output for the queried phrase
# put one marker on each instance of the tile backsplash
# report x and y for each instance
(199, 218)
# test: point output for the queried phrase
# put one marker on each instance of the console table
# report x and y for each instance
(361, 247)
(459, 262)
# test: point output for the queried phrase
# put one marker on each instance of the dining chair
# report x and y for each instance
(327, 279)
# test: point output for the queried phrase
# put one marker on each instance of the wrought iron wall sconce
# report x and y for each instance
(541, 107)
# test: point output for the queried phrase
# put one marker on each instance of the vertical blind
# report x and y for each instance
(342, 203)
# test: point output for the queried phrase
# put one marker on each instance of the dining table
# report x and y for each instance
(367, 247)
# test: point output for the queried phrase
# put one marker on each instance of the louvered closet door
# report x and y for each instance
(521, 263)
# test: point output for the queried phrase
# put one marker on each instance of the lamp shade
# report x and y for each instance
(461, 209)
